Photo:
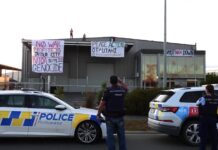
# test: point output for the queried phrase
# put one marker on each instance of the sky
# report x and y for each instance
(188, 22)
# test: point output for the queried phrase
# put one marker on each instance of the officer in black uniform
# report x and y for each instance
(113, 105)
(208, 107)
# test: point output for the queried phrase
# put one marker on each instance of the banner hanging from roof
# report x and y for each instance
(180, 52)
(47, 56)
(107, 49)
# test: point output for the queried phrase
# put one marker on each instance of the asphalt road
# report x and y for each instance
(134, 142)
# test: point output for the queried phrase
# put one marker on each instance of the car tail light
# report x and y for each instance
(166, 120)
(168, 109)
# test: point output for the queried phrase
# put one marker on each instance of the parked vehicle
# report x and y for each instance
(33, 114)
(174, 112)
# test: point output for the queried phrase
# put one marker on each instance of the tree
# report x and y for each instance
(211, 78)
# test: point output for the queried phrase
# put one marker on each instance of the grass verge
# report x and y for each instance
(136, 125)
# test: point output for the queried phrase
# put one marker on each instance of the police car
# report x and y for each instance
(33, 114)
(174, 112)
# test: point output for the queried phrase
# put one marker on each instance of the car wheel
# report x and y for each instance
(190, 133)
(87, 132)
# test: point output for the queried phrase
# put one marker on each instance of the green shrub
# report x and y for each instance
(59, 92)
(90, 99)
(137, 101)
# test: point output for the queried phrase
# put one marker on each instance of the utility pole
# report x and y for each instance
(164, 44)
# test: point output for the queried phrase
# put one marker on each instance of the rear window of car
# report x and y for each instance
(12, 100)
(163, 96)
(191, 97)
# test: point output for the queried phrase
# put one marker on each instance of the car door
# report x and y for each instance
(14, 115)
(48, 120)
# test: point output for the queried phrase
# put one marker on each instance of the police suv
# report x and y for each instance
(174, 112)
(33, 113)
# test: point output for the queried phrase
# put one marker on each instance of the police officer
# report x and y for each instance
(113, 105)
(208, 106)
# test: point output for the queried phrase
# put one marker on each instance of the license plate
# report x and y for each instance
(152, 111)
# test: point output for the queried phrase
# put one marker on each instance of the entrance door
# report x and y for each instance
(99, 73)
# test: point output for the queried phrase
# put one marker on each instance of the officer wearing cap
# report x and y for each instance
(113, 105)
(208, 106)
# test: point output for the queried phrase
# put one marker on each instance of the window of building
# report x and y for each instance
(149, 70)
(191, 83)
(180, 66)
(171, 84)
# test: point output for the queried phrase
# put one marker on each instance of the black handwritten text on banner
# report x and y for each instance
(47, 56)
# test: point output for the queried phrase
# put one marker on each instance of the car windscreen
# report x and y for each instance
(163, 96)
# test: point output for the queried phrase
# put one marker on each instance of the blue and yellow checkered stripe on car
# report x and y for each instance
(78, 118)
(16, 118)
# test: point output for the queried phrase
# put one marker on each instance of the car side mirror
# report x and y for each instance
(60, 107)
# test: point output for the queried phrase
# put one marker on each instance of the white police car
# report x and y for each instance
(34, 113)
(174, 112)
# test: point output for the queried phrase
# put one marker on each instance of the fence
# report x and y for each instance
(68, 88)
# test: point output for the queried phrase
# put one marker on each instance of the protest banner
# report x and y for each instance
(107, 49)
(47, 56)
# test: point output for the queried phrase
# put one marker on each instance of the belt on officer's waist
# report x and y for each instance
(114, 114)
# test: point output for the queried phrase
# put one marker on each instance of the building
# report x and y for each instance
(9, 81)
(142, 65)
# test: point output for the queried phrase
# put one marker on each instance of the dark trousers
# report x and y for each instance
(115, 125)
(207, 130)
